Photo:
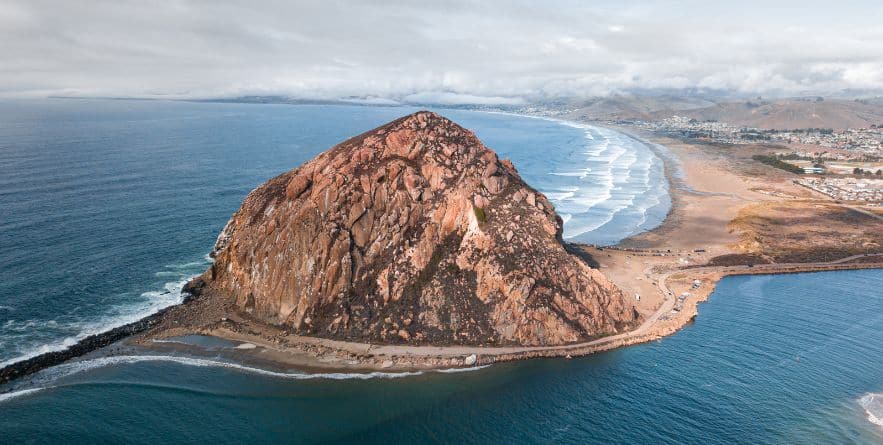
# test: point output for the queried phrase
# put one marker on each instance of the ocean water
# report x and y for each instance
(605, 185)
(108, 207)
(770, 359)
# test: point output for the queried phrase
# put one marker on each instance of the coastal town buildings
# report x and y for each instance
(847, 189)
(855, 142)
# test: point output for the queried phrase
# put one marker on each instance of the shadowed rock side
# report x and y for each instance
(412, 233)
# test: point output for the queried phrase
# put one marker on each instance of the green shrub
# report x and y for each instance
(778, 163)
(479, 214)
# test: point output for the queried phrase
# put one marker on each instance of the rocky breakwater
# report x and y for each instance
(412, 233)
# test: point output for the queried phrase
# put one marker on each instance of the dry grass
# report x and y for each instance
(804, 231)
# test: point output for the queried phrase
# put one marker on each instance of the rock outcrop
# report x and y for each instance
(411, 233)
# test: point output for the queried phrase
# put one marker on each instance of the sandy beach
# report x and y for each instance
(668, 270)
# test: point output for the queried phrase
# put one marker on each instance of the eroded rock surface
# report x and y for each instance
(412, 233)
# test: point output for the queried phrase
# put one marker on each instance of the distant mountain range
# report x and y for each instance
(814, 112)
(779, 113)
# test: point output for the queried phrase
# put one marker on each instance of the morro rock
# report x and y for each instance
(411, 233)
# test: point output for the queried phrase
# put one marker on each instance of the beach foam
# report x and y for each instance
(86, 365)
(22, 392)
(456, 370)
(46, 378)
(68, 369)
(873, 405)
(615, 179)
(149, 303)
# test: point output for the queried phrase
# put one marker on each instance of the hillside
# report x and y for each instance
(411, 233)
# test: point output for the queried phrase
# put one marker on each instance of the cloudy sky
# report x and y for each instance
(435, 50)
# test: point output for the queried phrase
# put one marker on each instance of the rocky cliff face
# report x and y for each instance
(413, 232)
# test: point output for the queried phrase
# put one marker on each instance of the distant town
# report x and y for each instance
(844, 164)
(825, 143)
(849, 144)
(846, 189)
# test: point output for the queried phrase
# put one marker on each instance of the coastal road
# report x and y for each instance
(641, 333)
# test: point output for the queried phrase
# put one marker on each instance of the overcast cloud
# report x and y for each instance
(452, 52)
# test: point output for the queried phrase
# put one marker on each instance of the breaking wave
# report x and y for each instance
(147, 304)
(873, 405)
(606, 186)
(22, 392)
(51, 375)
(456, 370)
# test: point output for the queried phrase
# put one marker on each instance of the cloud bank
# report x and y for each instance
(443, 51)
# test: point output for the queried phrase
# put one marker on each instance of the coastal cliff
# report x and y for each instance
(411, 233)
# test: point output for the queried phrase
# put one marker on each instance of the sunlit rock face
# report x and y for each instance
(416, 233)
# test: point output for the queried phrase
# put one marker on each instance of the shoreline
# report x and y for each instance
(676, 185)
(293, 352)
(85, 346)
(272, 347)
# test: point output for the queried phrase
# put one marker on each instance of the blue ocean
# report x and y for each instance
(107, 207)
